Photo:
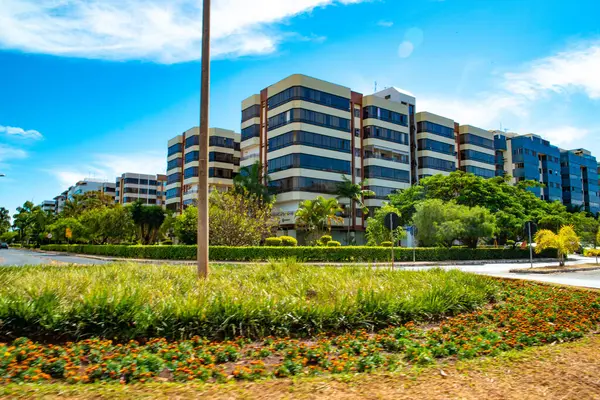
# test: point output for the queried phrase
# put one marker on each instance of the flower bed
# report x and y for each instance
(528, 315)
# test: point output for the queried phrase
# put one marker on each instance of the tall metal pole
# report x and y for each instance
(203, 157)
(530, 247)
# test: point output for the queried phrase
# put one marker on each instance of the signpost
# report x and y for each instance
(530, 229)
(392, 222)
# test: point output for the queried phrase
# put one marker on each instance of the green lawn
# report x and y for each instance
(129, 301)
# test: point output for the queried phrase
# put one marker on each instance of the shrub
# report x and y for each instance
(333, 243)
(128, 301)
(324, 240)
(288, 241)
(511, 243)
(386, 244)
(591, 252)
(273, 241)
(300, 253)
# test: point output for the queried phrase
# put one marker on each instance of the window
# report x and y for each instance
(433, 145)
(309, 139)
(477, 156)
(484, 173)
(190, 172)
(192, 141)
(173, 178)
(219, 141)
(304, 184)
(133, 181)
(437, 164)
(469, 138)
(309, 117)
(192, 156)
(220, 173)
(381, 192)
(375, 171)
(310, 95)
(299, 160)
(389, 135)
(251, 132)
(385, 115)
(395, 157)
(251, 112)
(220, 157)
(174, 163)
(436, 129)
(357, 132)
(357, 112)
(176, 148)
(143, 181)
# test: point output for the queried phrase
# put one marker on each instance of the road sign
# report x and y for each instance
(49, 236)
(68, 233)
(391, 221)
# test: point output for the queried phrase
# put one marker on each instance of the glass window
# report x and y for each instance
(385, 115)
(190, 172)
(482, 172)
(433, 145)
(221, 173)
(381, 192)
(309, 117)
(430, 127)
(220, 157)
(133, 181)
(299, 160)
(251, 132)
(437, 164)
(219, 141)
(477, 156)
(309, 139)
(375, 171)
(173, 178)
(251, 112)
(192, 141)
(192, 156)
(389, 135)
(176, 148)
(310, 95)
(304, 184)
(469, 138)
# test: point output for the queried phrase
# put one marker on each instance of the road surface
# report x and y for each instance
(589, 279)
(27, 257)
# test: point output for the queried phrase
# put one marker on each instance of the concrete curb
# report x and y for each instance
(537, 271)
(316, 263)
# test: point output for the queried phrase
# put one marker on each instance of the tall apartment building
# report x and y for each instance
(307, 133)
(476, 151)
(579, 170)
(48, 206)
(81, 187)
(436, 144)
(131, 187)
(182, 165)
(529, 157)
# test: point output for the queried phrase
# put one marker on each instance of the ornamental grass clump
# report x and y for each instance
(129, 301)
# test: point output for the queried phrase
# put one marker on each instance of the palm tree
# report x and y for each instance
(356, 194)
(251, 180)
(565, 242)
(319, 214)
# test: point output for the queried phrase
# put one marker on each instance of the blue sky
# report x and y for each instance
(95, 88)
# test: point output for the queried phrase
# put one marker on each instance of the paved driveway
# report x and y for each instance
(27, 257)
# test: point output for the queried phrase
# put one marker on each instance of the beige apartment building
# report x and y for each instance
(436, 144)
(183, 161)
(476, 151)
(149, 189)
(307, 133)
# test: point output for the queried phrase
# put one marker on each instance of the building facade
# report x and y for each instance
(149, 189)
(436, 144)
(183, 160)
(476, 151)
(49, 206)
(529, 157)
(307, 133)
(579, 170)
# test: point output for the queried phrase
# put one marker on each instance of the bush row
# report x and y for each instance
(301, 253)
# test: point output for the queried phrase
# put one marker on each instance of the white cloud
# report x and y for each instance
(405, 49)
(516, 96)
(108, 166)
(385, 24)
(164, 31)
(10, 153)
(20, 132)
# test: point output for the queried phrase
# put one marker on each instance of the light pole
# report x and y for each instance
(203, 141)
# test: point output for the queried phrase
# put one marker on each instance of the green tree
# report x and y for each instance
(4, 220)
(585, 227)
(148, 220)
(355, 194)
(80, 203)
(59, 228)
(250, 180)
(30, 222)
(376, 232)
(565, 242)
(477, 223)
(429, 214)
(318, 215)
(8, 236)
(108, 225)
(185, 225)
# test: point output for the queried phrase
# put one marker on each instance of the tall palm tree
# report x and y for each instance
(356, 194)
(251, 180)
(318, 215)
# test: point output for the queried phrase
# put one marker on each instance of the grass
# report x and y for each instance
(528, 315)
(129, 301)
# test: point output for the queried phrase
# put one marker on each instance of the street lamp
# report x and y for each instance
(203, 139)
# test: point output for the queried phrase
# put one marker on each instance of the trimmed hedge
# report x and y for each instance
(301, 253)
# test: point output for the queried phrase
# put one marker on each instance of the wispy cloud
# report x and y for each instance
(516, 95)
(108, 166)
(164, 31)
(20, 132)
(10, 153)
(384, 23)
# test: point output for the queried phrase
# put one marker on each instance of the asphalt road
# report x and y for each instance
(589, 279)
(27, 257)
